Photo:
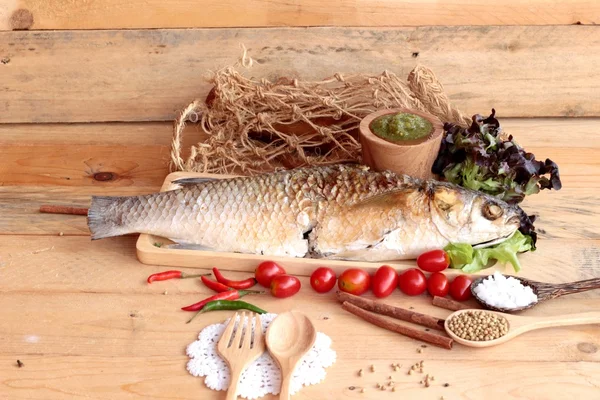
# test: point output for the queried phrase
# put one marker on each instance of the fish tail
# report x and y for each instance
(105, 217)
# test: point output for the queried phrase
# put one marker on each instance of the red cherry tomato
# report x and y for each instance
(438, 285)
(284, 286)
(385, 281)
(322, 279)
(433, 261)
(412, 282)
(354, 281)
(460, 288)
(266, 270)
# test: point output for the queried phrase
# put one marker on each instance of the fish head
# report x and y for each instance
(466, 216)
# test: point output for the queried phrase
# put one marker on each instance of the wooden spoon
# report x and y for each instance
(544, 291)
(520, 324)
(289, 337)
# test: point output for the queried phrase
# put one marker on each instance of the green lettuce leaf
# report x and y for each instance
(464, 257)
(460, 254)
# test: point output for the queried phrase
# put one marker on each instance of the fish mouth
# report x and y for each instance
(492, 242)
(526, 224)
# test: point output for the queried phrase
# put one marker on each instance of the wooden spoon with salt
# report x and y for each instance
(518, 325)
(544, 291)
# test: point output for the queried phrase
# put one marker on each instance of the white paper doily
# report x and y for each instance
(262, 376)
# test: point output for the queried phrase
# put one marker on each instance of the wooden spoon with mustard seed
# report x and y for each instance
(518, 325)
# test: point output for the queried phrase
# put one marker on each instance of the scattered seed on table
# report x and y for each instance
(360, 372)
(446, 384)
(351, 388)
(362, 390)
(20, 364)
(419, 350)
(410, 372)
(372, 368)
(394, 389)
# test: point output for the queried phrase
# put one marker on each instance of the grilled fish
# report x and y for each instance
(343, 212)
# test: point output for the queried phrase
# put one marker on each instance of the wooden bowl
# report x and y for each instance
(410, 157)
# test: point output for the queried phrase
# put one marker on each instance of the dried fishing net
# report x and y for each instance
(255, 126)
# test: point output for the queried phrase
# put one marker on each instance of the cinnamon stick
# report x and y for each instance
(391, 311)
(56, 209)
(431, 338)
(448, 304)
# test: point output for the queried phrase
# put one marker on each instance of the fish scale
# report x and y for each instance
(339, 211)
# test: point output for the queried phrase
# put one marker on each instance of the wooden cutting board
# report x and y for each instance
(149, 252)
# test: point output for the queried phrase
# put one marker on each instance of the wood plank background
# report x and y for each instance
(148, 75)
(110, 14)
(88, 90)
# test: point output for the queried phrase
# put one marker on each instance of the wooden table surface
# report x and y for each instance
(88, 90)
(81, 318)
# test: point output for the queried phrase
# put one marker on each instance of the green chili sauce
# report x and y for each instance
(401, 126)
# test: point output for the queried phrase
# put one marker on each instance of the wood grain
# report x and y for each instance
(557, 133)
(60, 377)
(87, 165)
(141, 75)
(81, 317)
(95, 294)
(31, 263)
(112, 14)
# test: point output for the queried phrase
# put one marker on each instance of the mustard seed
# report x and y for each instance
(478, 325)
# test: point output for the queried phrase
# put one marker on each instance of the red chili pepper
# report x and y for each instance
(244, 284)
(228, 295)
(216, 286)
(163, 276)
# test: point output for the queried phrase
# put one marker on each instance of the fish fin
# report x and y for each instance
(183, 245)
(386, 199)
(192, 181)
(187, 246)
(103, 217)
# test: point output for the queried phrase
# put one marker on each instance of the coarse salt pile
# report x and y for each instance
(500, 291)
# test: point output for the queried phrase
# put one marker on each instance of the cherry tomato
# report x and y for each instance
(385, 281)
(460, 288)
(322, 279)
(354, 281)
(438, 285)
(284, 286)
(433, 261)
(412, 282)
(266, 270)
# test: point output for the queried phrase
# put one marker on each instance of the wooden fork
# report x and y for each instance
(239, 347)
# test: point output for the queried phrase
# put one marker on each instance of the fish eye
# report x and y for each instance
(492, 211)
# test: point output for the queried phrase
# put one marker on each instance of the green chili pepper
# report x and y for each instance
(219, 305)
